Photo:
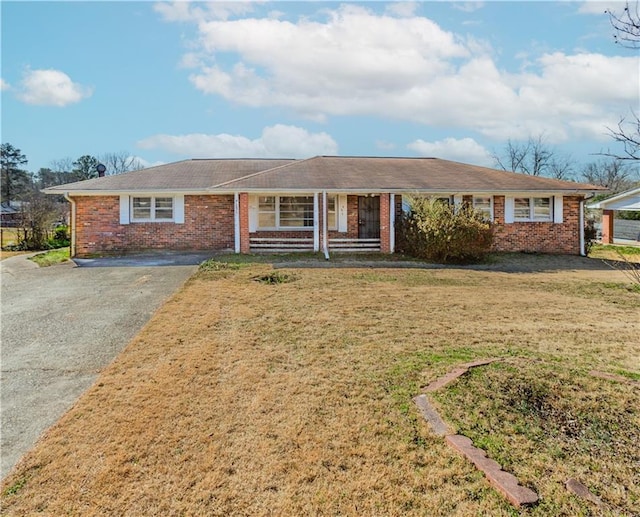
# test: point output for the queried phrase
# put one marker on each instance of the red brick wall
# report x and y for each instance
(539, 237)
(352, 218)
(208, 225)
(385, 223)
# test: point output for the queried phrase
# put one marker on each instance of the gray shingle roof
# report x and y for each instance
(190, 175)
(332, 173)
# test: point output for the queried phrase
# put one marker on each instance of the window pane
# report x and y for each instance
(542, 208)
(267, 204)
(142, 208)
(296, 212)
(267, 220)
(164, 208)
(483, 204)
(521, 208)
(267, 212)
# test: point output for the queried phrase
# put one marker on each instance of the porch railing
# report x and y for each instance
(280, 245)
(305, 244)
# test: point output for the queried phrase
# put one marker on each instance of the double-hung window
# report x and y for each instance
(484, 205)
(144, 209)
(533, 209)
(285, 212)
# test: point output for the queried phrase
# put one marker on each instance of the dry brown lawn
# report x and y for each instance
(243, 397)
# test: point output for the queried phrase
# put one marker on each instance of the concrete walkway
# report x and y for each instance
(61, 325)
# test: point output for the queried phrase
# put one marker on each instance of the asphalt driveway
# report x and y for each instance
(61, 325)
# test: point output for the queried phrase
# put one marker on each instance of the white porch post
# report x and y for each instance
(581, 223)
(316, 226)
(392, 222)
(236, 221)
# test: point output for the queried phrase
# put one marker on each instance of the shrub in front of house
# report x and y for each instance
(436, 231)
(60, 238)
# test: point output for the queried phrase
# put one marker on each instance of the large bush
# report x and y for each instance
(435, 231)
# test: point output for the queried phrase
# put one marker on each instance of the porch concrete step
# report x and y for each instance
(354, 245)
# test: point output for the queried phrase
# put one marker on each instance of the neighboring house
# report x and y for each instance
(628, 200)
(10, 214)
(319, 204)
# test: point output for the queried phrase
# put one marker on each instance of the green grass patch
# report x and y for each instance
(629, 375)
(49, 258)
(15, 487)
(216, 265)
(625, 250)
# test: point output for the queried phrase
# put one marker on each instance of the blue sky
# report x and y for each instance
(176, 80)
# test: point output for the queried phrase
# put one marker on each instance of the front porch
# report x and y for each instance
(316, 222)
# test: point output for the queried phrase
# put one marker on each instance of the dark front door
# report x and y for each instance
(368, 217)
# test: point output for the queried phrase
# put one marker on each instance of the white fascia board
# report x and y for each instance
(630, 198)
(135, 193)
(311, 191)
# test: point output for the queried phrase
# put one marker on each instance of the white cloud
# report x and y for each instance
(184, 11)
(357, 62)
(146, 163)
(465, 150)
(279, 141)
(402, 9)
(467, 7)
(599, 7)
(4, 85)
(51, 88)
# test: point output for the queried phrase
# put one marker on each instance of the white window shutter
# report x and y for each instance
(124, 209)
(253, 214)
(178, 209)
(557, 209)
(509, 210)
(342, 213)
(457, 200)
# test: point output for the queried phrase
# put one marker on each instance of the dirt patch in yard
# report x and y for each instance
(250, 398)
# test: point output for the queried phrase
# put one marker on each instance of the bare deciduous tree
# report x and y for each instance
(628, 134)
(626, 33)
(534, 157)
(626, 25)
(117, 163)
(613, 174)
(62, 165)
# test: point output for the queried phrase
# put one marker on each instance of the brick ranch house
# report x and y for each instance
(323, 203)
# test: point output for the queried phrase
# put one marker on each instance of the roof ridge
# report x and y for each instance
(254, 174)
(234, 159)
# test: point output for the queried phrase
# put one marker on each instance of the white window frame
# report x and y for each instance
(531, 217)
(152, 210)
(475, 205)
(278, 226)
